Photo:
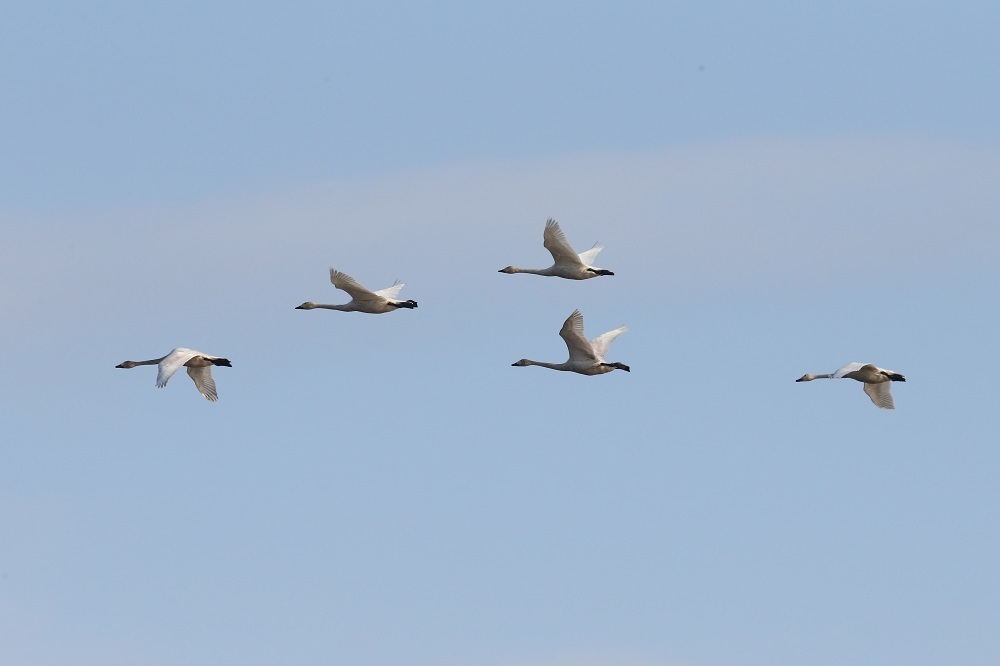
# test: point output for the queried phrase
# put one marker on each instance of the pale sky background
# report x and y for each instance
(781, 187)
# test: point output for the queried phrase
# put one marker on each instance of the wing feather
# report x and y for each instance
(555, 242)
(587, 258)
(345, 282)
(850, 367)
(881, 394)
(576, 342)
(171, 363)
(203, 380)
(602, 343)
(390, 293)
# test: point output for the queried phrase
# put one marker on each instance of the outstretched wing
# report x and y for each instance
(203, 380)
(602, 343)
(588, 257)
(555, 242)
(345, 282)
(171, 363)
(881, 395)
(576, 342)
(850, 367)
(391, 292)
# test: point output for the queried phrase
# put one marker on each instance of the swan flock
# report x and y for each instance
(586, 357)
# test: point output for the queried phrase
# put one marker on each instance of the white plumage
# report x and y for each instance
(199, 368)
(362, 298)
(585, 357)
(877, 381)
(568, 263)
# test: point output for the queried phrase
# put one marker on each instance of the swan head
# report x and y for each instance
(510, 270)
(308, 305)
(127, 364)
(806, 378)
(523, 363)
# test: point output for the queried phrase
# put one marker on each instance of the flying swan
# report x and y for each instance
(586, 358)
(568, 264)
(362, 299)
(199, 368)
(877, 381)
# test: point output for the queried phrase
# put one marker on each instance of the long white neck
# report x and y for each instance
(534, 271)
(809, 378)
(552, 366)
(341, 307)
(132, 364)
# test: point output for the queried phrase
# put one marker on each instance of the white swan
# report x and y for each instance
(199, 367)
(362, 299)
(568, 264)
(877, 381)
(586, 358)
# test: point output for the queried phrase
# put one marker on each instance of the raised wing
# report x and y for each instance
(588, 257)
(391, 292)
(171, 363)
(555, 242)
(576, 342)
(345, 282)
(851, 367)
(602, 343)
(881, 395)
(203, 380)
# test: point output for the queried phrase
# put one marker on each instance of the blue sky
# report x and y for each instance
(780, 189)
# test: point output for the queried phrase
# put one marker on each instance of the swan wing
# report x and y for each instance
(587, 258)
(881, 394)
(390, 293)
(850, 367)
(602, 343)
(345, 282)
(203, 380)
(555, 242)
(171, 363)
(576, 342)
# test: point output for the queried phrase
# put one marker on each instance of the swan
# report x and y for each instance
(877, 381)
(199, 367)
(362, 299)
(568, 264)
(586, 358)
